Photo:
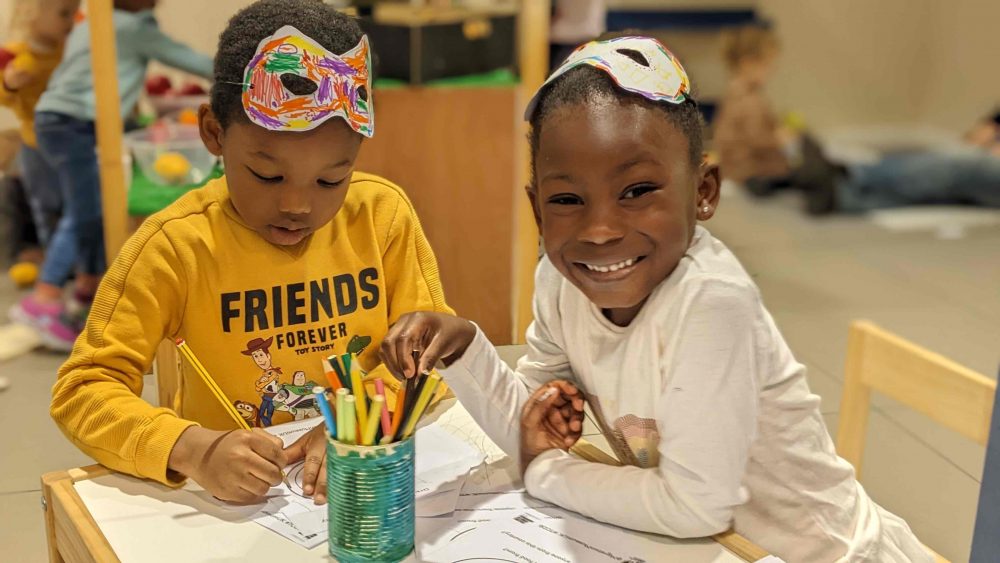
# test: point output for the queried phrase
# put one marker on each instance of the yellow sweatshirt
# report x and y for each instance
(258, 316)
(22, 101)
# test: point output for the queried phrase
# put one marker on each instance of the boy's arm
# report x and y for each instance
(158, 46)
(412, 279)
(707, 421)
(96, 399)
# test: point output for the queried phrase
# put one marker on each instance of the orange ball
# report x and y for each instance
(188, 117)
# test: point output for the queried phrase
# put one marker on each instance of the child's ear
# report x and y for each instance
(707, 201)
(533, 198)
(210, 129)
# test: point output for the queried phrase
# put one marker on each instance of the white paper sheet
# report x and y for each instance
(532, 537)
(442, 465)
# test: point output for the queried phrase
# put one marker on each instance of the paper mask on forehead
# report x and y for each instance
(662, 79)
(325, 85)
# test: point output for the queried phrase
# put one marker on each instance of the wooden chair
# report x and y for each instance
(950, 394)
(167, 368)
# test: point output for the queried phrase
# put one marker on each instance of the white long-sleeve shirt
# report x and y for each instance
(702, 399)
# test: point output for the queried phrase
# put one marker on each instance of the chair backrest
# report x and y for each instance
(950, 394)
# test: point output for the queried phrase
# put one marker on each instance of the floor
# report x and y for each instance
(816, 276)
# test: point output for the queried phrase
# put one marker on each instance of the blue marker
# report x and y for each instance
(324, 407)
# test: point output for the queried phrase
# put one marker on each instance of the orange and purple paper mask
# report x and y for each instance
(342, 84)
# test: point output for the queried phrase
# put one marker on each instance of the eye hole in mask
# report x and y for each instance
(634, 55)
(298, 85)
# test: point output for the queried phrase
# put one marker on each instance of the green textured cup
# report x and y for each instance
(371, 503)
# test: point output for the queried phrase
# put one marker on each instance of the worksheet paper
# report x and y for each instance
(441, 466)
(533, 537)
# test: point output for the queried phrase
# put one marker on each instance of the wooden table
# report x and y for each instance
(75, 536)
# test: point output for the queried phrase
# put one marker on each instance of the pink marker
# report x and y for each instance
(386, 424)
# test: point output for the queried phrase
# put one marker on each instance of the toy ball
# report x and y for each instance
(795, 121)
(188, 117)
(23, 274)
(173, 167)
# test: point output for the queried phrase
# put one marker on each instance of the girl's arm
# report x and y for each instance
(707, 419)
(493, 393)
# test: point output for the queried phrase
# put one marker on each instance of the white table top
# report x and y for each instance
(149, 523)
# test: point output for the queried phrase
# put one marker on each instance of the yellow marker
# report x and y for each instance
(359, 393)
(422, 401)
(351, 432)
(368, 438)
(342, 415)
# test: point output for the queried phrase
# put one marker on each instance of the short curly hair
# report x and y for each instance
(322, 22)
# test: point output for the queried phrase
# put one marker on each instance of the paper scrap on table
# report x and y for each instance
(771, 559)
(442, 467)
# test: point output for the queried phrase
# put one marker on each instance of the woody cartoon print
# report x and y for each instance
(276, 338)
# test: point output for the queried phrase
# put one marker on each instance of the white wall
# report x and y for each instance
(859, 62)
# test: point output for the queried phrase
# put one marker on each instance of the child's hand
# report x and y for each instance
(418, 340)
(552, 419)
(15, 78)
(311, 447)
(238, 466)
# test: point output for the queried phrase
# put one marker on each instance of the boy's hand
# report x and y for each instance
(312, 447)
(552, 418)
(15, 78)
(418, 340)
(238, 466)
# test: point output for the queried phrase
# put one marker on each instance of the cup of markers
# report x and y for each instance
(370, 456)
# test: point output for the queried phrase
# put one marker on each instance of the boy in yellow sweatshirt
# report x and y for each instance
(291, 257)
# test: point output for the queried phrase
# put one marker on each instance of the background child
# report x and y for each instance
(660, 327)
(752, 145)
(291, 257)
(38, 30)
(64, 124)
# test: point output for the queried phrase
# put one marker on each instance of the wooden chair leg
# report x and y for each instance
(854, 405)
(167, 368)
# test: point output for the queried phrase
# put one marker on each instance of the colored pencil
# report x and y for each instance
(324, 407)
(331, 376)
(342, 415)
(397, 414)
(368, 437)
(412, 390)
(334, 362)
(361, 398)
(210, 383)
(384, 414)
(350, 406)
(188, 353)
(420, 406)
